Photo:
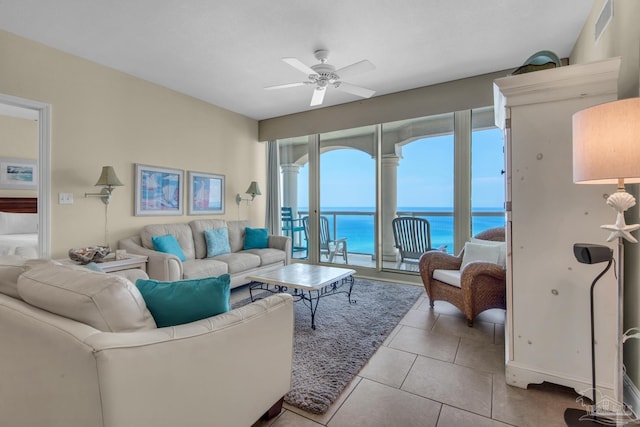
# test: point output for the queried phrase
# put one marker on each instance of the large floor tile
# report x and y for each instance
(420, 319)
(538, 406)
(291, 419)
(494, 315)
(451, 384)
(376, 405)
(419, 341)
(388, 366)
(480, 356)
(454, 417)
(457, 326)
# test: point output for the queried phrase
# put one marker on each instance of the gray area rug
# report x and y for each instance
(326, 359)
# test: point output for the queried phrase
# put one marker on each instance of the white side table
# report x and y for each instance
(131, 262)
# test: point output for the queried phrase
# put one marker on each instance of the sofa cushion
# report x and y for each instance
(269, 256)
(107, 302)
(198, 227)
(236, 234)
(256, 238)
(239, 261)
(169, 245)
(217, 241)
(207, 267)
(185, 301)
(11, 267)
(181, 231)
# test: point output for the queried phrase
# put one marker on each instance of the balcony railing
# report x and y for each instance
(359, 230)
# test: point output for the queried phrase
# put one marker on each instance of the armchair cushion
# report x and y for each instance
(450, 277)
(108, 302)
(185, 301)
(169, 245)
(478, 252)
(502, 259)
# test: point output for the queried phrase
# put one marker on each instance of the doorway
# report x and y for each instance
(12, 106)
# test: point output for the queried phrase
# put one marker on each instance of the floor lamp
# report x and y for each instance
(606, 150)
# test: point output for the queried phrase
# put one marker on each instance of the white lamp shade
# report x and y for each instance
(606, 143)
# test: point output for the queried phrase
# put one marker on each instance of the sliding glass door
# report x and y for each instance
(347, 187)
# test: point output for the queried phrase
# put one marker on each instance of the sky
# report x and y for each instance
(425, 174)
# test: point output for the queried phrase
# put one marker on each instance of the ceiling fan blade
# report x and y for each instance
(358, 67)
(284, 86)
(355, 90)
(318, 96)
(298, 65)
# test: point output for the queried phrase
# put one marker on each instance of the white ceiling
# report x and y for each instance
(226, 51)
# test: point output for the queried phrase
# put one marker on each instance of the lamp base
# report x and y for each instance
(579, 418)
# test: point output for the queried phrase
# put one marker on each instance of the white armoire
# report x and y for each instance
(548, 322)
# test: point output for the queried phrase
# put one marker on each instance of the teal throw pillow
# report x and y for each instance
(256, 238)
(217, 241)
(169, 245)
(184, 301)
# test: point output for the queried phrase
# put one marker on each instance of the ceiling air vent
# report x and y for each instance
(604, 18)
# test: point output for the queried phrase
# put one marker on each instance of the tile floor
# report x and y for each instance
(432, 371)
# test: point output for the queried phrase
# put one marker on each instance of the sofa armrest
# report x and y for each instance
(160, 266)
(283, 243)
(198, 371)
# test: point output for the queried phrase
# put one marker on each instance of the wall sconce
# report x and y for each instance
(253, 190)
(109, 180)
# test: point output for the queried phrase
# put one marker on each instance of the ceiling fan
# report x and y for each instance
(324, 74)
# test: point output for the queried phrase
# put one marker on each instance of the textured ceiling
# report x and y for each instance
(226, 51)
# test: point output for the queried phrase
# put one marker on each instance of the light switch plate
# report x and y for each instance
(65, 198)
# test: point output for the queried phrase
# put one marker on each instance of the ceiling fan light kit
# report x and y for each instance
(323, 75)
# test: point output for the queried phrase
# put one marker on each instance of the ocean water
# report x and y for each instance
(359, 229)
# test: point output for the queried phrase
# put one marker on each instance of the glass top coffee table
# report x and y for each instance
(308, 283)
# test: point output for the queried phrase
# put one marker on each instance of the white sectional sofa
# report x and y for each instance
(86, 353)
(238, 263)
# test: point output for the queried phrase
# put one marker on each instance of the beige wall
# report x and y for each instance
(18, 139)
(104, 117)
(621, 38)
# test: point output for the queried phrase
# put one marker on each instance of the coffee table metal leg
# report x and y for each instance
(313, 307)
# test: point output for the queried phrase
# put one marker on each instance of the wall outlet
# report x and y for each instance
(65, 198)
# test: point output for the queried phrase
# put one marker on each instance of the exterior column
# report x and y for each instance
(290, 186)
(389, 206)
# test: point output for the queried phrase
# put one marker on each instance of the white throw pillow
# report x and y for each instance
(503, 249)
(478, 252)
(18, 223)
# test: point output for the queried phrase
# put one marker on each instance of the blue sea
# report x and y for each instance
(359, 229)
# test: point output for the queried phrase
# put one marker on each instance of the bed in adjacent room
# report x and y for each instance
(19, 226)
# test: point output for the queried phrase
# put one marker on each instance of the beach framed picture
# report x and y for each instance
(158, 190)
(20, 174)
(206, 193)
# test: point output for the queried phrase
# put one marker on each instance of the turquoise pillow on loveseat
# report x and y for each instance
(256, 238)
(184, 301)
(169, 245)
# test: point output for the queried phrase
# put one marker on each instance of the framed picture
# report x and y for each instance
(206, 193)
(158, 190)
(21, 174)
